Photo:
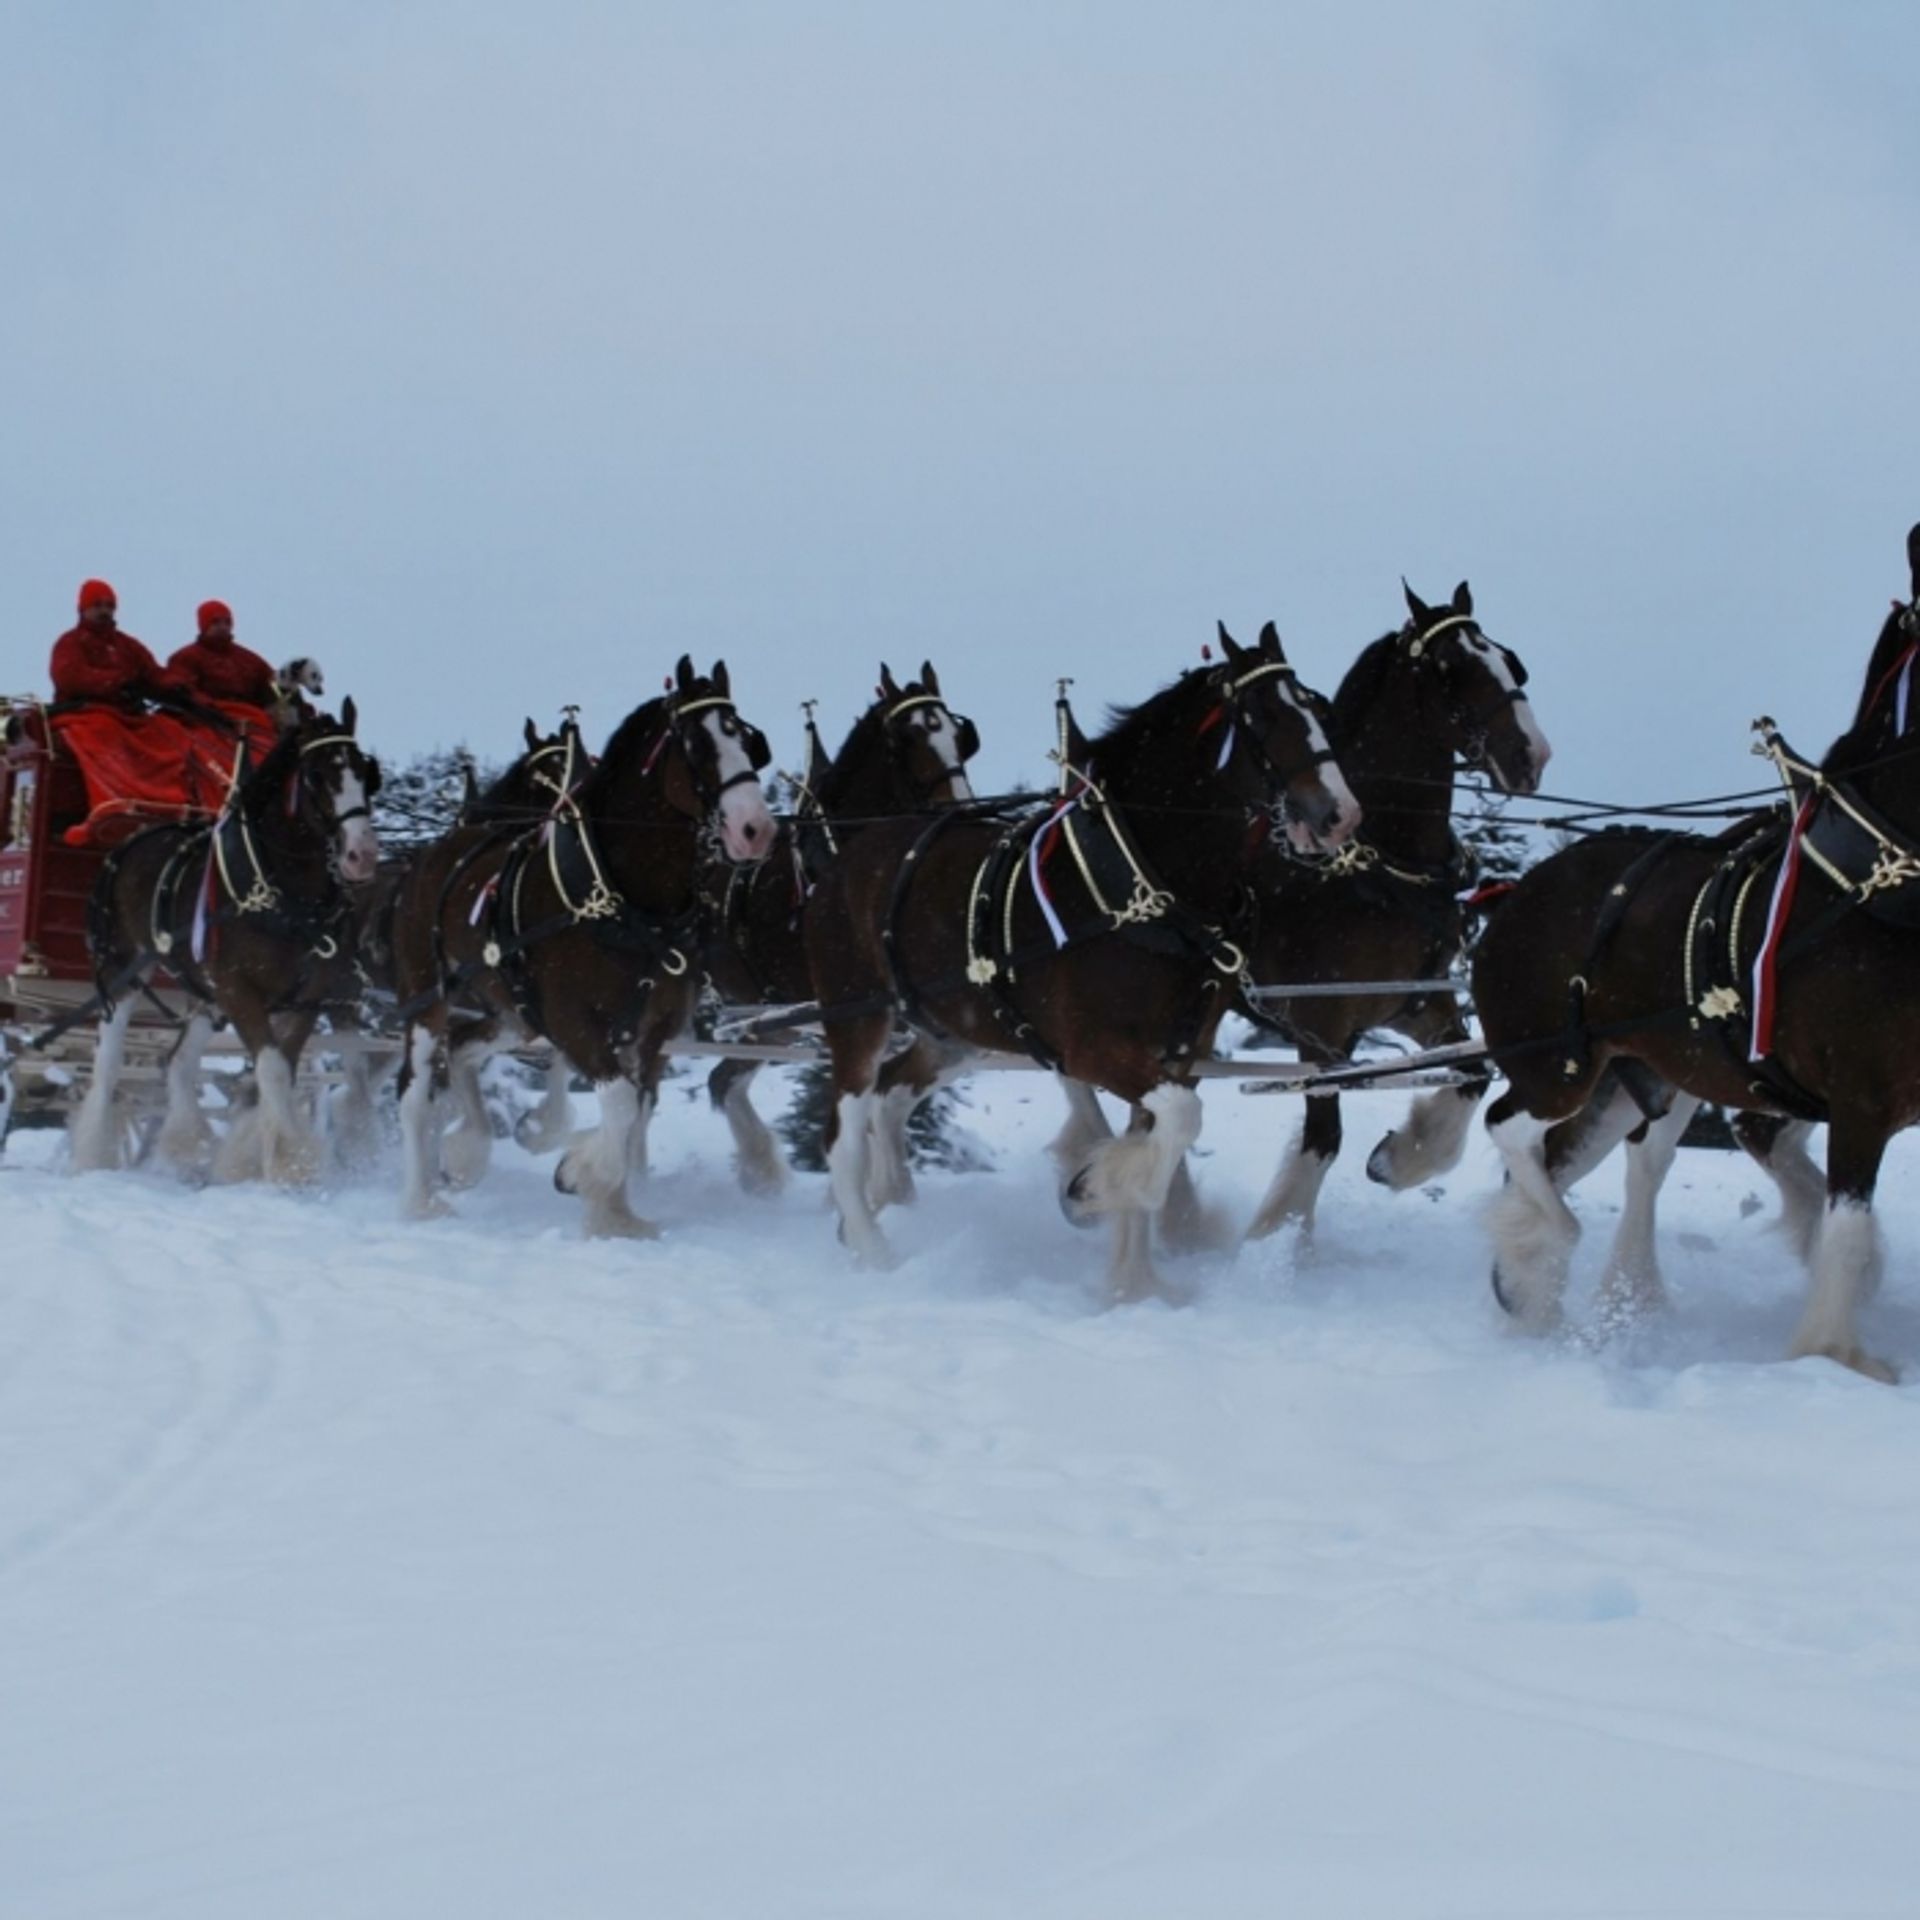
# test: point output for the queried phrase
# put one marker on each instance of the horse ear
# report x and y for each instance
(928, 678)
(1913, 559)
(1463, 599)
(1270, 642)
(722, 685)
(683, 674)
(1421, 612)
(531, 734)
(1229, 646)
(888, 685)
(347, 714)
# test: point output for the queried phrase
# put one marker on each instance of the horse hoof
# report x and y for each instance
(1380, 1161)
(1499, 1290)
(563, 1178)
(1074, 1202)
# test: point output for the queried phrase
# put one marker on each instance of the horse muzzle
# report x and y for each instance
(1322, 814)
(746, 826)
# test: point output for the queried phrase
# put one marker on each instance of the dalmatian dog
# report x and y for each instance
(296, 687)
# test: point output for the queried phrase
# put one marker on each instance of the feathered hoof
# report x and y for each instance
(563, 1177)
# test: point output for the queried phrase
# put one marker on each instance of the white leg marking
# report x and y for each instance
(756, 1154)
(889, 1165)
(467, 1148)
(94, 1139)
(1631, 1285)
(1845, 1271)
(420, 1130)
(595, 1166)
(1085, 1127)
(1294, 1191)
(1802, 1188)
(1532, 1226)
(290, 1153)
(847, 1171)
(1431, 1142)
(185, 1135)
(545, 1128)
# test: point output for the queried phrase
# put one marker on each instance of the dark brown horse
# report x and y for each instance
(906, 754)
(518, 797)
(1625, 966)
(1416, 705)
(582, 931)
(252, 918)
(1096, 934)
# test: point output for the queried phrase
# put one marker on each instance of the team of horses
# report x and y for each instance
(1231, 837)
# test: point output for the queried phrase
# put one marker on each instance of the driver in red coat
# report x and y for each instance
(217, 667)
(96, 661)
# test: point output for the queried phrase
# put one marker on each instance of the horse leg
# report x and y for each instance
(1846, 1266)
(857, 1046)
(351, 1112)
(902, 1084)
(1130, 1177)
(1533, 1228)
(94, 1143)
(1779, 1146)
(424, 1063)
(596, 1165)
(1434, 1135)
(756, 1155)
(466, 1149)
(1085, 1128)
(1631, 1285)
(1295, 1189)
(290, 1152)
(185, 1134)
(548, 1126)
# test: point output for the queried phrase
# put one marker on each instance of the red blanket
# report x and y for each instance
(140, 768)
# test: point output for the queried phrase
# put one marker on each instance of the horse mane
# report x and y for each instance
(1127, 726)
(1361, 685)
(625, 740)
(280, 759)
(859, 737)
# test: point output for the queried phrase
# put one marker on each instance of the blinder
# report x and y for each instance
(966, 736)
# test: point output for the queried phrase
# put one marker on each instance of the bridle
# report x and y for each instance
(370, 783)
(759, 753)
(966, 738)
(1231, 684)
(1475, 724)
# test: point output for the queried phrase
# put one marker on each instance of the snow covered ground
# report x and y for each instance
(350, 1568)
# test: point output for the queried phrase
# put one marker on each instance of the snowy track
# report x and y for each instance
(353, 1568)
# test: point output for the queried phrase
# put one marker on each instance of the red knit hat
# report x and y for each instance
(212, 610)
(96, 593)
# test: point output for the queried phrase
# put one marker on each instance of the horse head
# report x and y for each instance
(712, 760)
(1271, 739)
(929, 744)
(332, 784)
(1482, 686)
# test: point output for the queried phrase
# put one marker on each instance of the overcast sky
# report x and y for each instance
(496, 354)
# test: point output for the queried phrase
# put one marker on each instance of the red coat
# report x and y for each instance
(108, 666)
(224, 670)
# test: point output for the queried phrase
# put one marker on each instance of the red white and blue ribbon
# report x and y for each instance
(1779, 911)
